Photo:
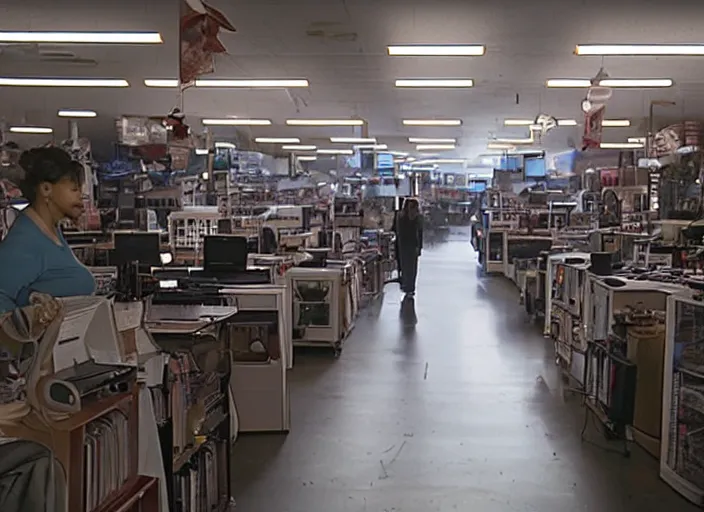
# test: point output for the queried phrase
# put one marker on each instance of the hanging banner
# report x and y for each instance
(593, 124)
(200, 26)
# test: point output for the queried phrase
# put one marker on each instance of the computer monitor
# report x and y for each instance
(385, 164)
(136, 246)
(225, 253)
(510, 163)
(534, 167)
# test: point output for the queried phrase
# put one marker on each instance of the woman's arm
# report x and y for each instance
(420, 236)
(18, 271)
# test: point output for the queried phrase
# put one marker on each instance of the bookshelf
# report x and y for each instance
(98, 450)
(196, 428)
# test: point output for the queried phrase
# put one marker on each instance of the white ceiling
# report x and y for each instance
(527, 43)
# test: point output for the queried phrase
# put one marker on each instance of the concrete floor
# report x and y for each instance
(462, 412)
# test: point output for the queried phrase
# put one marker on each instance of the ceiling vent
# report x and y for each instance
(332, 31)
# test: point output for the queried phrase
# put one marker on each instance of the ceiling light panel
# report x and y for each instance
(437, 50)
(31, 129)
(643, 83)
(435, 82)
(335, 152)
(81, 37)
(298, 147)
(353, 140)
(440, 161)
(499, 145)
(77, 114)
(518, 122)
(252, 84)
(636, 140)
(566, 122)
(636, 83)
(431, 140)
(621, 145)
(435, 147)
(236, 122)
(615, 123)
(278, 140)
(632, 50)
(307, 158)
(375, 147)
(432, 122)
(62, 82)
(161, 82)
(324, 122)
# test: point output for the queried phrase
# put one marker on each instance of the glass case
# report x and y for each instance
(682, 452)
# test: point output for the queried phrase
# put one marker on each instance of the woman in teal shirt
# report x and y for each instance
(34, 256)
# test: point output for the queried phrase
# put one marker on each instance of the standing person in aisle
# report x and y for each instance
(409, 236)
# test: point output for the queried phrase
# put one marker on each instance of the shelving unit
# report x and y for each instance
(196, 439)
(682, 447)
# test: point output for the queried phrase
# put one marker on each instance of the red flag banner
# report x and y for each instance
(593, 121)
(199, 29)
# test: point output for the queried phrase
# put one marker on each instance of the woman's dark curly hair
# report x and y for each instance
(46, 165)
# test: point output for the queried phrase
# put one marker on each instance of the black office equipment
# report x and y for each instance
(225, 254)
(141, 247)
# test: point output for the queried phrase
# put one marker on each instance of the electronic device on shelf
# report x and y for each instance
(136, 246)
(225, 254)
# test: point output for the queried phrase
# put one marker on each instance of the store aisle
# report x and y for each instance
(462, 412)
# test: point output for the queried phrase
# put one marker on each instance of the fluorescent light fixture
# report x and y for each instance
(615, 123)
(535, 128)
(621, 145)
(225, 145)
(236, 122)
(499, 145)
(353, 140)
(161, 82)
(298, 147)
(324, 122)
(82, 37)
(527, 140)
(435, 82)
(376, 147)
(335, 152)
(31, 129)
(440, 161)
(637, 83)
(63, 82)
(636, 140)
(77, 113)
(252, 84)
(568, 82)
(432, 122)
(201, 151)
(566, 122)
(518, 122)
(278, 140)
(630, 50)
(307, 158)
(644, 83)
(431, 140)
(435, 147)
(437, 50)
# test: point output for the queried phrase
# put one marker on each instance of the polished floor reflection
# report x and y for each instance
(446, 403)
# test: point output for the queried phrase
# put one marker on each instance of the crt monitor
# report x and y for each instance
(225, 253)
(141, 247)
(534, 167)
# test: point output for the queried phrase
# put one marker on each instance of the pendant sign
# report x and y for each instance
(593, 124)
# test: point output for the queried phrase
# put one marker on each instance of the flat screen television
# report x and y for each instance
(141, 247)
(477, 186)
(510, 163)
(534, 167)
(225, 253)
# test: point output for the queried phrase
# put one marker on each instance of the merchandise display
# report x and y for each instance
(232, 178)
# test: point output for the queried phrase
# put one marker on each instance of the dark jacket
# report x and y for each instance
(409, 233)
